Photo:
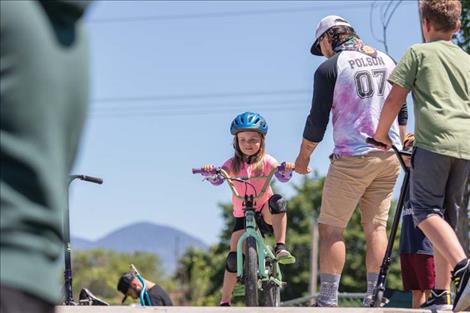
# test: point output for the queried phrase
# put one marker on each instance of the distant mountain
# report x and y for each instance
(164, 241)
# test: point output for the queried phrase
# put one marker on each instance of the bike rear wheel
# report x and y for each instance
(251, 273)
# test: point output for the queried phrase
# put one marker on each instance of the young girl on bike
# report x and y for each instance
(250, 160)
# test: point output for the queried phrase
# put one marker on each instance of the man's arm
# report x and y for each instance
(392, 106)
(303, 159)
(315, 126)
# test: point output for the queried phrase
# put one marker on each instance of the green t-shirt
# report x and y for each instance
(438, 73)
(44, 96)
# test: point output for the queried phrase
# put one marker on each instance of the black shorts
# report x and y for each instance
(265, 228)
(437, 185)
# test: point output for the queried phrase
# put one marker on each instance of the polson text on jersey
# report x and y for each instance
(366, 61)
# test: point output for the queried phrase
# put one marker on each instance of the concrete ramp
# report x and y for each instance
(187, 309)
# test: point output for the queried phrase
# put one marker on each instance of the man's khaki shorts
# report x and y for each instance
(365, 180)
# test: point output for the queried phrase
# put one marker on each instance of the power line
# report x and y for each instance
(225, 14)
(190, 112)
(385, 20)
(185, 106)
(202, 96)
(198, 107)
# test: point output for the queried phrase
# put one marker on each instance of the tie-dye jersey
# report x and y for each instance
(353, 85)
(256, 179)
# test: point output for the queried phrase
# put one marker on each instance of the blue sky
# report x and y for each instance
(167, 79)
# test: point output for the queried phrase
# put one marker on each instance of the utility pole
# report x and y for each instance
(314, 259)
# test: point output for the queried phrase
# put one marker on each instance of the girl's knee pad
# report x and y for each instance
(231, 262)
(277, 204)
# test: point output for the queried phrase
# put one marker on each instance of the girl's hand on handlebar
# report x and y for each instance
(288, 167)
(208, 168)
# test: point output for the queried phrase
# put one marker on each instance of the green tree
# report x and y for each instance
(303, 206)
(99, 270)
(463, 36)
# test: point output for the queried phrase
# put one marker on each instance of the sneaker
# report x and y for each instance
(438, 300)
(224, 304)
(460, 278)
(283, 256)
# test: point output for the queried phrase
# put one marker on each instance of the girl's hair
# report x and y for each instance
(239, 158)
(340, 34)
(443, 14)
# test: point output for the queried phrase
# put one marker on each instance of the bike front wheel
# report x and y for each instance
(251, 273)
(272, 294)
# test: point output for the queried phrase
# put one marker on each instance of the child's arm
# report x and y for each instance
(391, 107)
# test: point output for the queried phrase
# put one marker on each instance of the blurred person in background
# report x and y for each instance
(43, 101)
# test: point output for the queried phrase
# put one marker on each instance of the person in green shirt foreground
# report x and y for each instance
(43, 100)
(438, 74)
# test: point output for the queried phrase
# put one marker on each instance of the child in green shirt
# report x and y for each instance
(438, 74)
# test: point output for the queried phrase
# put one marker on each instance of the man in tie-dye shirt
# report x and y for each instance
(352, 84)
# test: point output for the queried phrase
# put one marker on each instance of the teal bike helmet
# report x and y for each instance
(249, 121)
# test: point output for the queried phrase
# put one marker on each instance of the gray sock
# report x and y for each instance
(371, 282)
(329, 284)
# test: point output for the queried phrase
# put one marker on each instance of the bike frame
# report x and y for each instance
(251, 230)
(262, 249)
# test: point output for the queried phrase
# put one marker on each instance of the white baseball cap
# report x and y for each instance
(325, 24)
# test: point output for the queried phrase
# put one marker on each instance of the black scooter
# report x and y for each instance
(85, 297)
(378, 296)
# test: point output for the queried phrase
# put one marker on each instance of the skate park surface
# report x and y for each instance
(187, 309)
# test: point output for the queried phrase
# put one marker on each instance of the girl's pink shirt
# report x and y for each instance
(256, 180)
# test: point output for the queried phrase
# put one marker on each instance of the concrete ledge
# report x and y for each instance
(136, 309)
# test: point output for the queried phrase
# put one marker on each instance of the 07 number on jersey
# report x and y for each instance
(370, 82)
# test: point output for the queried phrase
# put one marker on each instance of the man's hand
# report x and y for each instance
(391, 107)
(301, 165)
(385, 139)
(303, 159)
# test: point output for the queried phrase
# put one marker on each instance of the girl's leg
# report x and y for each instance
(230, 279)
(278, 221)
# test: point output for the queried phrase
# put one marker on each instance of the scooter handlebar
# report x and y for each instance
(91, 179)
(399, 153)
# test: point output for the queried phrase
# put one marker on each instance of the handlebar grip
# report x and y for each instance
(92, 179)
(374, 142)
(202, 171)
(282, 168)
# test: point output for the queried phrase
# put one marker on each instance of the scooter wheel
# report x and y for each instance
(378, 299)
